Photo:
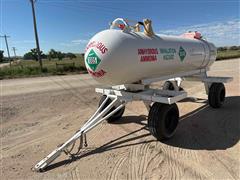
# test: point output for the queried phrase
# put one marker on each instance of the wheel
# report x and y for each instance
(163, 120)
(168, 85)
(216, 95)
(116, 115)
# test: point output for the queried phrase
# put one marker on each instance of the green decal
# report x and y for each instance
(167, 53)
(182, 53)
(93, 60)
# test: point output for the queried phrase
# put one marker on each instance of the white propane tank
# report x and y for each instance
(115, 57)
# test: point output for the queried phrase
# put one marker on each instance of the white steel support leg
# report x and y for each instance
(97, 118)
(207, 85)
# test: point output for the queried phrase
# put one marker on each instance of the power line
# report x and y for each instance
(5, 37)
(36, 34)
(92, 8)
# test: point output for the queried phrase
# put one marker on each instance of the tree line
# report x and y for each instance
(228, 48)
(52, 54)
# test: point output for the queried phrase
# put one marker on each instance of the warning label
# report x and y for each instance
(182, 53)
(93, 60)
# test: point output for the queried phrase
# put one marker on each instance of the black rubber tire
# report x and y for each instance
(216, 95)
(181, 89)
(163, 120)
(168, 85)
(116, 115)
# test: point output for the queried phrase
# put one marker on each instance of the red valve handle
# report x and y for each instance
(121, 26)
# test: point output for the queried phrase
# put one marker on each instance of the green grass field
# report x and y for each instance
(228, 54)
(26, 68)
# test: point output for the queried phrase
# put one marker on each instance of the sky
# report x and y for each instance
(67, 25)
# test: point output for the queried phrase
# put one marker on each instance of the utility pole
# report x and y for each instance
(5, 37)
(14, 51)
(36, 34)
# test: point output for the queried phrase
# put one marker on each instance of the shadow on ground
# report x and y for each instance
(208, 128)
(204, 128)
(126, 140)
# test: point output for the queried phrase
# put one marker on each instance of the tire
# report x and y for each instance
(116, 115)
(163, 120)
(168, 85)
(216, 95)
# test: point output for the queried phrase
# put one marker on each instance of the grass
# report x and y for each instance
(26, 68)
(228, 54)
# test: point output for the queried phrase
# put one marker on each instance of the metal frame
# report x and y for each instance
(152, 95)
(183, 74)
(97, 118)
(122, 94)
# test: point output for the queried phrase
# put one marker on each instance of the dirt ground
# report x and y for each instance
(37, 114)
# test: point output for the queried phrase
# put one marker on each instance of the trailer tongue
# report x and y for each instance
(97, 118)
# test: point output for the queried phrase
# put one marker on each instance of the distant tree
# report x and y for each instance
(52, 54)
(82, 54)
(33, 55)
(28, 56)
(234, 48)
(70, 55)
(222, 48)
(1, 55)
(60, 55)
(44, 56)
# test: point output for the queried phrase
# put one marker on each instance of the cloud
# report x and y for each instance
(221, 33)
(80, 41)
(67, 44)
(75, 42)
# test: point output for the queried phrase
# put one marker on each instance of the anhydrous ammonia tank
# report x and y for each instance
(117, 56)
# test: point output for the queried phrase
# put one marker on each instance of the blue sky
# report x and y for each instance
(67, 25)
